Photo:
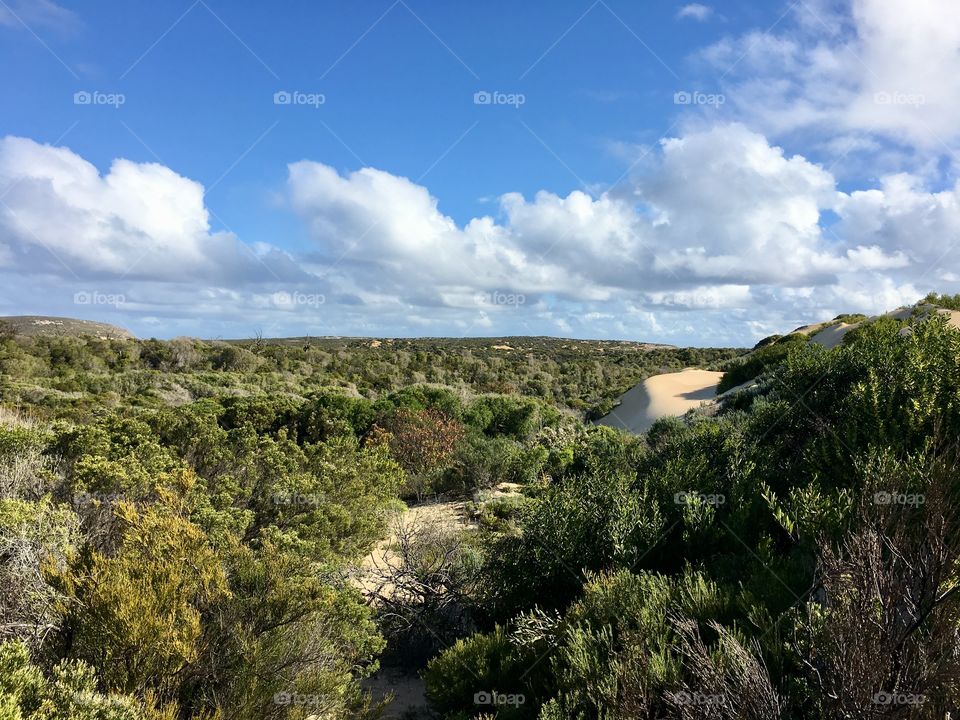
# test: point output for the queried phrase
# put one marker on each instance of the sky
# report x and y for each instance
(695, 174)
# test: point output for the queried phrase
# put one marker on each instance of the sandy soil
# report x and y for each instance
(660, 396)
(405, 688)
(810, 329)
(448, 514)
(953, 317)
(832, 336)
(903, 313)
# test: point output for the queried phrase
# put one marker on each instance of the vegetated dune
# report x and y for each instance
(34, 325)
(831, 334)
(660, 396)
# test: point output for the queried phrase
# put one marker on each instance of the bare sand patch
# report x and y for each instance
(833, 335)
(448, 515)
(406, 691)
(953, 317)
(403, 686)
(661, 396)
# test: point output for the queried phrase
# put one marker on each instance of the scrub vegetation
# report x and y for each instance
(183, 527)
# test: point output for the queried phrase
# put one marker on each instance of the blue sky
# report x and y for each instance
(688, 173)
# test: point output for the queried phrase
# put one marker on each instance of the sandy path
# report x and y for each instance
(660, 396)
(406, 688)
(450, 515)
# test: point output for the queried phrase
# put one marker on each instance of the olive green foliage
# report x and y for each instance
(73, 376)
(136, 614)
(950, 302)
(651, 575)
(451, 678)
(193, 556)
(178, 521)
(764, 357)
(68, 692)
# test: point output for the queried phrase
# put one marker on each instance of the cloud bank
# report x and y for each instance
(723, 221)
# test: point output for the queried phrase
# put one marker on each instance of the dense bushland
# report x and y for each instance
(195, 561)
(75, 376)
(796, 557)
(189, 552)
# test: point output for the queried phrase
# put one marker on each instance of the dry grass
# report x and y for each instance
(12, 418)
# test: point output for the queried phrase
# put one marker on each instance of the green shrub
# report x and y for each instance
(69, 693)
(481, 664)
(763, 358)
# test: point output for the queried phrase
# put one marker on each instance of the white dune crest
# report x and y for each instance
(671, 394)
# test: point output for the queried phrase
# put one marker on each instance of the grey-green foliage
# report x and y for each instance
(69, 692)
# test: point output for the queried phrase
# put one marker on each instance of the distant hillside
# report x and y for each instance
(517, 343)
(33, 325)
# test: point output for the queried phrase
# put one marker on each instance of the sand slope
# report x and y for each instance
(833, 335)
(660, 396)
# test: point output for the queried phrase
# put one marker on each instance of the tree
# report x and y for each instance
(136, 615)
(422, 441)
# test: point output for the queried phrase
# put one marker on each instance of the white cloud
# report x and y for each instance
(60, 215)
(902, 215)
(720, 226)
(695, 11)
(890, 68)
(32, 15)
(721, 220)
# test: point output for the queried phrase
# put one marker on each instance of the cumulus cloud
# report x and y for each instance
(721, 226)
(60, 215)
(889, 68)
(722, 207)
(902, 214)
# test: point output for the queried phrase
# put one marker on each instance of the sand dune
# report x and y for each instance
(660, 396)
(833, 335)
